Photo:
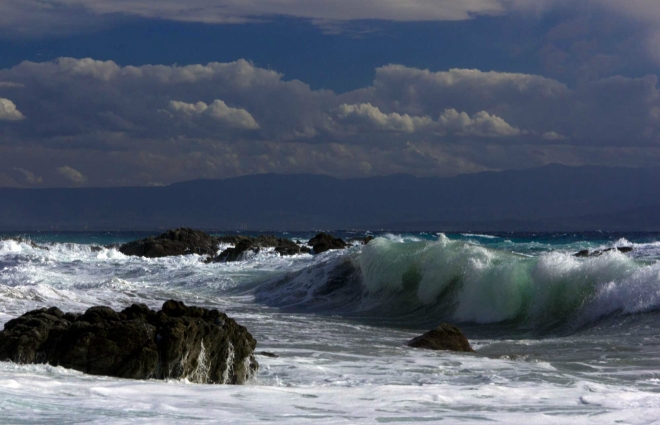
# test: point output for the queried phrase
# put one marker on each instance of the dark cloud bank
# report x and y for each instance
(80, 122)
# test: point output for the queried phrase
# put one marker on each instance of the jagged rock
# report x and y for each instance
(201, 345)
(323, 242)
(181, 241)
(597, 253)
(245, 244)
(444, 337)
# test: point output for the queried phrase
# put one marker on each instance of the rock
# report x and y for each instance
(444, 337)
(245, 244)
(181, 241)
(267, 354)
(323, 242)
(177, 342)
(597, 253)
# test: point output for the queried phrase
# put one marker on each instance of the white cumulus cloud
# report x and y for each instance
(8, 111)
(218, 111)
(553, 135)
(72, 174)
(367, 116)
(29, 176)
(480, 124)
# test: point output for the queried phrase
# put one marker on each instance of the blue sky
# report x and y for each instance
(108, 92)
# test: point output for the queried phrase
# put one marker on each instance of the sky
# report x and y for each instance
(151, 92)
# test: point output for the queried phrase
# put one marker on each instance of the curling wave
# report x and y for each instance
(424, 282)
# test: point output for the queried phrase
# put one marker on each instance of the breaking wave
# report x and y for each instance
(424, 282)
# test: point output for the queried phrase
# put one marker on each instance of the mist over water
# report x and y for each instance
(556, 335)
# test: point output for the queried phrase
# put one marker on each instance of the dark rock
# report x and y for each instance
(444, 337)
(181, 241)
(177, 342)
(597, 253)
(267, 354)
(325, 242)
(245, 244)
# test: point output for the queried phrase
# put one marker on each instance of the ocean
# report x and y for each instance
(558, 339)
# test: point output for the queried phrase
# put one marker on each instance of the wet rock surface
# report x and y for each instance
(177, 342)
(597, 253)
(180, 241)
(323, 242)
(244, 244)
(444, 337)
(184, 241)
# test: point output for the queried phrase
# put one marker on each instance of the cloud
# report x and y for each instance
(72, 174)
(169, 123)
(218, 111)
(37, 17)
(9, 84)
(551, 135)
(610, 110)
(8, 111)
(641, 16)
(94, 102)
(29, 176)
(365, 116)
(480, 124)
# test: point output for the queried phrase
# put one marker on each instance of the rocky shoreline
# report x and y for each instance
(185, 241)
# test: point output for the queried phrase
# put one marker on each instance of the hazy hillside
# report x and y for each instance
(553, 196)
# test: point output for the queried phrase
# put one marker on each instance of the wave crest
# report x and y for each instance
(425, 282)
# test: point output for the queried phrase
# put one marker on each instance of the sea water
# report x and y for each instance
(559, 339)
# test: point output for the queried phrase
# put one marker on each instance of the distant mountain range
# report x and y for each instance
(550, 198)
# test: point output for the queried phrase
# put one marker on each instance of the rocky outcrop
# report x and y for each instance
(597, 253)
(173, 242)
(243, 244)
(444, 337)
(177, 342)
(185, 241)
(323, 242)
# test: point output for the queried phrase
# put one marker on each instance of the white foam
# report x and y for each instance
(477, 235)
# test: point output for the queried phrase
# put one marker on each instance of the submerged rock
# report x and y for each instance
(444, 337)
(597, 253)
(324, 242)
(181, 241)
(177, 342)
(243, 244)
